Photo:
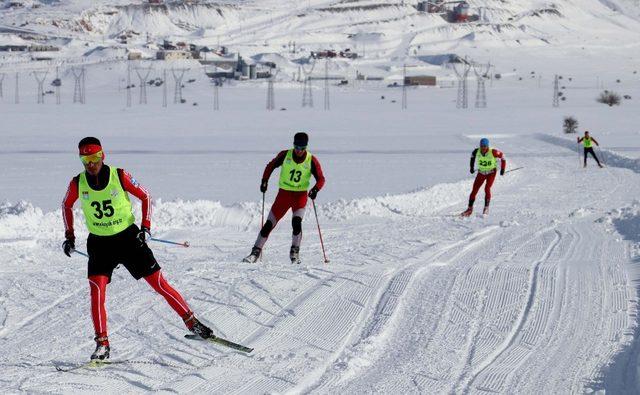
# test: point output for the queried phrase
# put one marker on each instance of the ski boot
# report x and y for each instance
(102, 349)
(467, 212)
(599, 164)
(197, 328)
(253, 257)
(485, 212)
(294, 254)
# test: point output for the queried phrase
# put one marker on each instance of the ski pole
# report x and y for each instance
(602, 156)
(80, 252)
(517, 168)
(580, 156)
(184, 244)
(262, 214)
(262, 222)
(319, 231)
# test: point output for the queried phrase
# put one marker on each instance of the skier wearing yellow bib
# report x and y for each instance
(588, 142)
(486, 159)
(297, 167)
(115, 239)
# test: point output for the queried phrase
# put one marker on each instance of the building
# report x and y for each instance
(14, 48)
(174, 55)
(461, 12)
(43, 48)
(425, 80)
(134, 55)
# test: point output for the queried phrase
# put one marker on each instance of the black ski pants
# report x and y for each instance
(592, 152)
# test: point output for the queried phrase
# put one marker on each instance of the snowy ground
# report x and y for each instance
(538, 297)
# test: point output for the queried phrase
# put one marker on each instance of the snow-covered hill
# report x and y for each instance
(383, 32)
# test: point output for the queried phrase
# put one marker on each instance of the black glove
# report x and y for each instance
(263, 186)
(142, 235)
(472, 170)
(501, 172)
(68, 246)
(313, 193)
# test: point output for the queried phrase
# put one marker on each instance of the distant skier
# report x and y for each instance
(297, 167)
(115, 239)
(588, 142)
(486, 158)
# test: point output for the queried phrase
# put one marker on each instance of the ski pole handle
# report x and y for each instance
(80, 252)
(183, 244)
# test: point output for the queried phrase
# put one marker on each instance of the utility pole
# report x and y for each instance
(307, 93)
(481, 71)
(404, 87)
(556, 92)
(143, 76)
(462, 74)
(327, 105)
(17, 96)
(40, 77)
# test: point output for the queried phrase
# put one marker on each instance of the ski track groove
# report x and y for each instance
(532, 321)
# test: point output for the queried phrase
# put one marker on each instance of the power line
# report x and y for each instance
(178, 75)
(327, 104)
(78, 88)
(271, 101)
(462, 98)
(143, 76)
(57, 85)
(40, 77)
(307, 93)
(556, 92)
(404, 87)
(164, 88)
(17, 88)
(128, 83)
(481, 71)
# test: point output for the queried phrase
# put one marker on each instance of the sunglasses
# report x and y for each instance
(299, 148)
(93, 158)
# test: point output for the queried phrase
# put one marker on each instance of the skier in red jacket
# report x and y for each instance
(298, 165)
(486, 159)
(115, 239)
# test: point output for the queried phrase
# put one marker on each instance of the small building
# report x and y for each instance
(134, 55)
(14, 48)
(461, 12)
(43, 48)
(425, 80)
(174, 55)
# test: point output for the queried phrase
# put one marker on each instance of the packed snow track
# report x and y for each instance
(534, 298)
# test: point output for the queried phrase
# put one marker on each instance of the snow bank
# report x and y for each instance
(423, 202)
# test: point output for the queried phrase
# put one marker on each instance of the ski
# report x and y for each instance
(85, 365)
(221, 341)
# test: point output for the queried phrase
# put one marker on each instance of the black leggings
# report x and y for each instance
(590, 151)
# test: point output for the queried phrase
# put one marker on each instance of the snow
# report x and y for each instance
(540, 296)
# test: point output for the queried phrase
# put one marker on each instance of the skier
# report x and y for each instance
(114, 238)
(486, 158)
(297, 167)
(588, 141)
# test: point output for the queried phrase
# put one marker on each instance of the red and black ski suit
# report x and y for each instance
(485, 178)
(106, 252)
(285, 200)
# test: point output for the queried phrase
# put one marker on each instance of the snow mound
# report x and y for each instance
(423, 202)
